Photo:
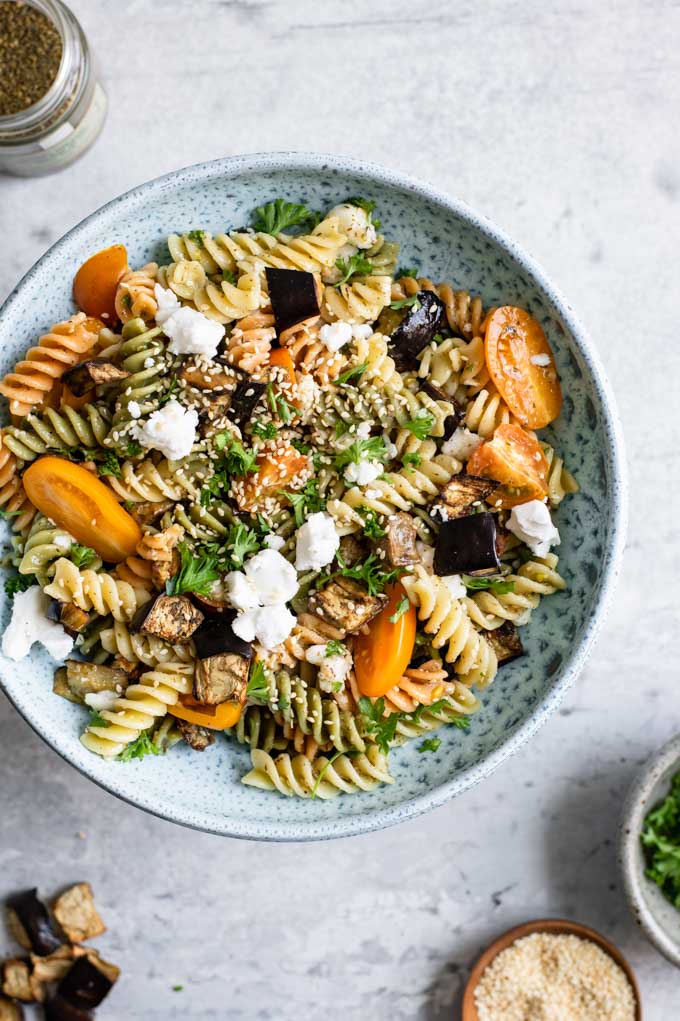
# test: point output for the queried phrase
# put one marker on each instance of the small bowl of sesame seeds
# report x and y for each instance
(552, 968)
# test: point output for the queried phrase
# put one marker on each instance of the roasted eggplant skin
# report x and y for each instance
(452, 421)
(506, 642)
(33, 918)
(244, 400)
(85, 376)
(59, 1009)
(293, 295)
(458, 497)
(467, 546)
(411, 329)
(84, 985)
(215, 637)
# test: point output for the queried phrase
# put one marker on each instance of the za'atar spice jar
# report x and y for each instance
(52, 104)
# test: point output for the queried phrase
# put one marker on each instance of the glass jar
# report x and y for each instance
(62, 125)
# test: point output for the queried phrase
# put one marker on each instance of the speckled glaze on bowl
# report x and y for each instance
(448, 241)
(656, 916)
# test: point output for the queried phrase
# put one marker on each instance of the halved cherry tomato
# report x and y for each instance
(515, 347)
(95, 283)
(382, 655)
(216, 717)
(82, 505)
(277, 468)
(515, 459)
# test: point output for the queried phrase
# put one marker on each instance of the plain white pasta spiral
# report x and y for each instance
(220, 300)
(297, 776)
(120, 641)
(92, 591)
(538, 577)
(140, 708)
(360, 301)
(146, 482)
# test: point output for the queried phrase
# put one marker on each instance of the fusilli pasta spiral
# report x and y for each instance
(92, 591)
(359, 301)
(50, 429)
(537, 577)
(322, 777)
(13, 500)
(135, 295)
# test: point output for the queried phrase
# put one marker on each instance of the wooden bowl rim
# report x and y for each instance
(560, 926)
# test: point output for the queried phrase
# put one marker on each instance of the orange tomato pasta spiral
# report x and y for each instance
(13, 499)
(310, 355)
(421, 685)
(135, 297)
(250, 342)
(56, 352)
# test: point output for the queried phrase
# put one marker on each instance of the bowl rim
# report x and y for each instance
(636, 805)
(365, 822)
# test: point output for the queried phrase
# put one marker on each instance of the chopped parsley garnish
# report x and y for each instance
(402, 607)
(661, 841)
(356, 265)
(109, 465)
(9, 514)
(235, 459)
(81, 556)
(229, 276)
(430, 745)
(301, 446)
(240, 541)
(134, 449)
(411, 459)
(382, 728)
(170, 393)
(197, 237)
(127, 300)
(351, 375)
(306, 501)
(342, 427)
(368, 205)
(19, 583)
(411, 302)
(265, 430)
(421, 426)
(97, 720)
(196, 574)
(406, 271)
(177, 989)
(139, 748)
(274, 217)
(496, 585)
(258, 686)
(327, 765)
(370, 571)
(280, 405)
(372, 527)
(335, 648)
(372, 449)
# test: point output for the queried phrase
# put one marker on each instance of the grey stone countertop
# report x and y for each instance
(559, 122)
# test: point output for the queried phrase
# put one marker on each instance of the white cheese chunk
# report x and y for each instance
(363, 430)
(30, 624)
(333, 670)
(168, 303)
(462, 444)
(191, 332)
(272, 576)
(101, 700)
(317, 542)
(276, 542)
(542, 359)
(171, 429)
(361, 331)
(269, 625)
(426, 554)
(356, 224)
(335, 335)
(241, 591)
(363, 472)
(531, 522)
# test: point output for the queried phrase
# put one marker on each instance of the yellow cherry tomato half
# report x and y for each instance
(382, 655)
(96, 282)
(521, 364)
(216, 717)
(78, 502)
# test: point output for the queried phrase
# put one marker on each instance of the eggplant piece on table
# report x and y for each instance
(172, 618)
(30, 924)
(16, 980)
(10, 1010)
(244, 400)
(467, 546)
(76, 913)
(399, 543)
(51, 968)
(411, 329)
(197, 737)
(293, 295)
(88, 375)
(71, 617)
(84, 985)
(506, 642)
(59, 1009)
(345, 604)
(458, 497)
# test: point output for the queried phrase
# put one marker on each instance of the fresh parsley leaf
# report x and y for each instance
(306, 501)
(97, 720)
(81, 556)
(430, 745)
(9, 514)
(382, 728)
(351, 375)
(372, 527)
(368, 205)
(177, 989)
(274, 217)
(171, 392)
(301, 446)
(402, 607)
(342, 427)
(109, 465)
(229, 276)
(370, 571)
(327, 765)
(240, 542)
(411, 302)
(335, 648)
(661, 842)
(356, 265)
(196, 574)
(134, 449)
(372, 449)
(127, 300)
(258, 686)
(413, 459)
(496, 585)
(406, 271)
(265, 430)
(421, 426)
(197, 237)
(235, 459)
(19, 583)
(137, 749)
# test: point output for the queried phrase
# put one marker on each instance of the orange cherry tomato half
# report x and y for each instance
(272, 476)
(95, 283)
(78, 502)
(521, 364)
(216, 717)
(382, 655)
(515, 459)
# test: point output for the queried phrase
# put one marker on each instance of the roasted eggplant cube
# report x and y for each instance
(60, 687)
(148, 513)
(84, 985)
(345, 604)
(164, 570)
(506, 642)
(460, 495)
(399, 544)
(198, 738)
(76, 913)
(411, 329)
(97, 372)
(90, 678)
(53, 967)
(10, 1011)
(59, 1009)
(71, 617)
(293, 296)
(30, 923)
(216, 636)
(218, 378)
(172, 618)
(244, 400)
(221, 678)
(16, 980)
(352, 550)
(467, 546)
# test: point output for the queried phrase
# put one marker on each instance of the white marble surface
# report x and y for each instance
(558, 121)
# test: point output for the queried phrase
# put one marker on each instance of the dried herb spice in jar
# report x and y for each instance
(30, 55)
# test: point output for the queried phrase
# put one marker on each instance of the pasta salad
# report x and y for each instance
(279, 488)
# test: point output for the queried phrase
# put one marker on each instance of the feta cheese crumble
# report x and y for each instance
(260, 593)
(101, 700)
(317, 542)
(462, 444)
(269, 625)
(335, 335)
(361, 331)
(189, 331)
(276, 542)
(531, 522)
(541, 359)
(356, 224)
(333, 670)
(171, 429)
(363, 472)
(273, 576)
(241, 591)
(30, 624)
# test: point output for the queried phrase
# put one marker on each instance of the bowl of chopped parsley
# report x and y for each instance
(650, 850)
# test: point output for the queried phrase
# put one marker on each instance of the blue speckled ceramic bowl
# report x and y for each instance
(449, 242)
